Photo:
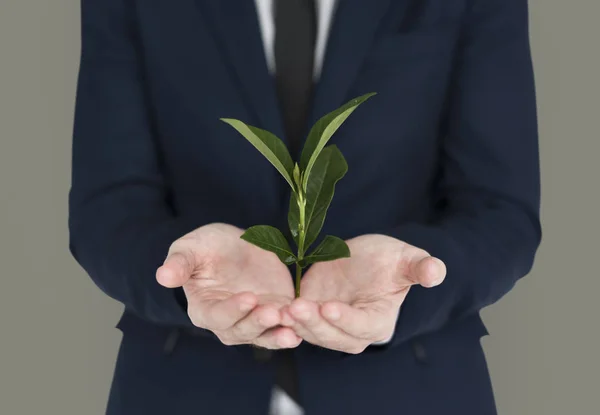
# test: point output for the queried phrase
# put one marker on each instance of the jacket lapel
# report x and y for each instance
(354, 27)
(237, 32)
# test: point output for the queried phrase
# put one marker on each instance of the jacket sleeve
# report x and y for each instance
(486, 224)
(120, 222)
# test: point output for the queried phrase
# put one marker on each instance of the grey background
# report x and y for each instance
(57, 341)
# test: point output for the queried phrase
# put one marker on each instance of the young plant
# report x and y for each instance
(312, 181)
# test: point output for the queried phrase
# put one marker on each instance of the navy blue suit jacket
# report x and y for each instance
(445, 157)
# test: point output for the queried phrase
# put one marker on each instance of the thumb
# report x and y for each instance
(176, 270)
(426, 271)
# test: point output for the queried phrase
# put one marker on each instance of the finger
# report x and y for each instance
(278, 338)
(222, 314)
(286, 317)
(426, 271)
(363, 323)
(176, 270)
(256, 323)
(312, 327)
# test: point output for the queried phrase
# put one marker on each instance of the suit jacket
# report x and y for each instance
(445, 157)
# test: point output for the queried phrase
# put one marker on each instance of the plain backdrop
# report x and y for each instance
(57, 338)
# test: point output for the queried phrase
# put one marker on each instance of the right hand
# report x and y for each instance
(233, 288)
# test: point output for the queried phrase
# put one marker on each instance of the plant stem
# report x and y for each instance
(298, 279)
(301, 238)
(301, 229)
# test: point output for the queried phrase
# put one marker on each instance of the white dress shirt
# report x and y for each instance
(281, 403)
(325, 10)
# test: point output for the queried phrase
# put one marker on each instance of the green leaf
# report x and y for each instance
(328, 170)
(329, 249)
(270, 239)
(322, 132)
(269, 145)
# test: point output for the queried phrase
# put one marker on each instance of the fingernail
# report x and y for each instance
(333, 313)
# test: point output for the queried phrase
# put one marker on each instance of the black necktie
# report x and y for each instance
(295, 34)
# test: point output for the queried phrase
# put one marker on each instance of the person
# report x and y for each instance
(440, 207)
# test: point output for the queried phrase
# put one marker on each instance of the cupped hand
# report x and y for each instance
(233, 288)
(351, 303)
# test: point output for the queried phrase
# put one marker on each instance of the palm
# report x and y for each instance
(233, 288)
(228, 265)
(369, 276)
(351, 303)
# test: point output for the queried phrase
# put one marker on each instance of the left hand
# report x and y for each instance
(350, 303)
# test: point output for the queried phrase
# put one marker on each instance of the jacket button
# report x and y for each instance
(419, 352)
(262, 355)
